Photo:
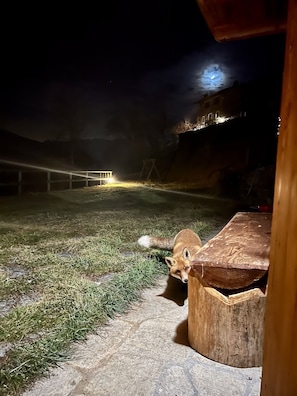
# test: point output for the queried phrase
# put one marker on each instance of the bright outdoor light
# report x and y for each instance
(111, 180)
(220, 120)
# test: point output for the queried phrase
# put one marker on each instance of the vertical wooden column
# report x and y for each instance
(280, 335)
(70, 180)
(20, 178)
(48, 181)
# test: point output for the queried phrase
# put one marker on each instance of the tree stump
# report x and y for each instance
(227, 328)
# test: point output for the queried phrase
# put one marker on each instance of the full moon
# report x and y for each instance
(212, 78)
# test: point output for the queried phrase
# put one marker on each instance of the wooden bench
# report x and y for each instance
(227, 292)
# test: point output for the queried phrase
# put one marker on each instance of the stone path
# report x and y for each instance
(146, 353)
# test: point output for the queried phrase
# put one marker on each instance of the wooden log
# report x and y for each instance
(226, 328)
(239, 255)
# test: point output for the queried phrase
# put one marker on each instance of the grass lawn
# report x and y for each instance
(69, 260)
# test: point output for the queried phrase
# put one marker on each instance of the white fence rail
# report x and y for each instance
(50, 179)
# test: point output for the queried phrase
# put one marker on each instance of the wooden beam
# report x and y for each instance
(280, 336)
(234, 19)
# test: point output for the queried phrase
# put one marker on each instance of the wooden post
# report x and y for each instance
(20, 182)
(48, 181)
(70, 180)
(87, 179)
(280, 334)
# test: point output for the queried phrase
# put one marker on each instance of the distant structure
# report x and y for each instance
(254, 99)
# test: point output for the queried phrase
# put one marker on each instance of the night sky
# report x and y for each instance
(116, 55)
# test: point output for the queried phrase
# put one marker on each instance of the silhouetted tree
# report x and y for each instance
(183, 126)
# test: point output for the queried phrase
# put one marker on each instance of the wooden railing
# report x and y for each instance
(14, 181)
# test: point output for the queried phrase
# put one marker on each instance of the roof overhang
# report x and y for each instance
(238, 19)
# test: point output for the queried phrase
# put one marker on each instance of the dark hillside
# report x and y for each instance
(17, 148)
(225, 155)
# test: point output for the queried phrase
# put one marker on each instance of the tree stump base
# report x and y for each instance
(226, 327)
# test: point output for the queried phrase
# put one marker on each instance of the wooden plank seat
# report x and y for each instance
(238, 255)
(227, 292)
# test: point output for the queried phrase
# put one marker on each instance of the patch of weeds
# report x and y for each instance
(15, 287)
